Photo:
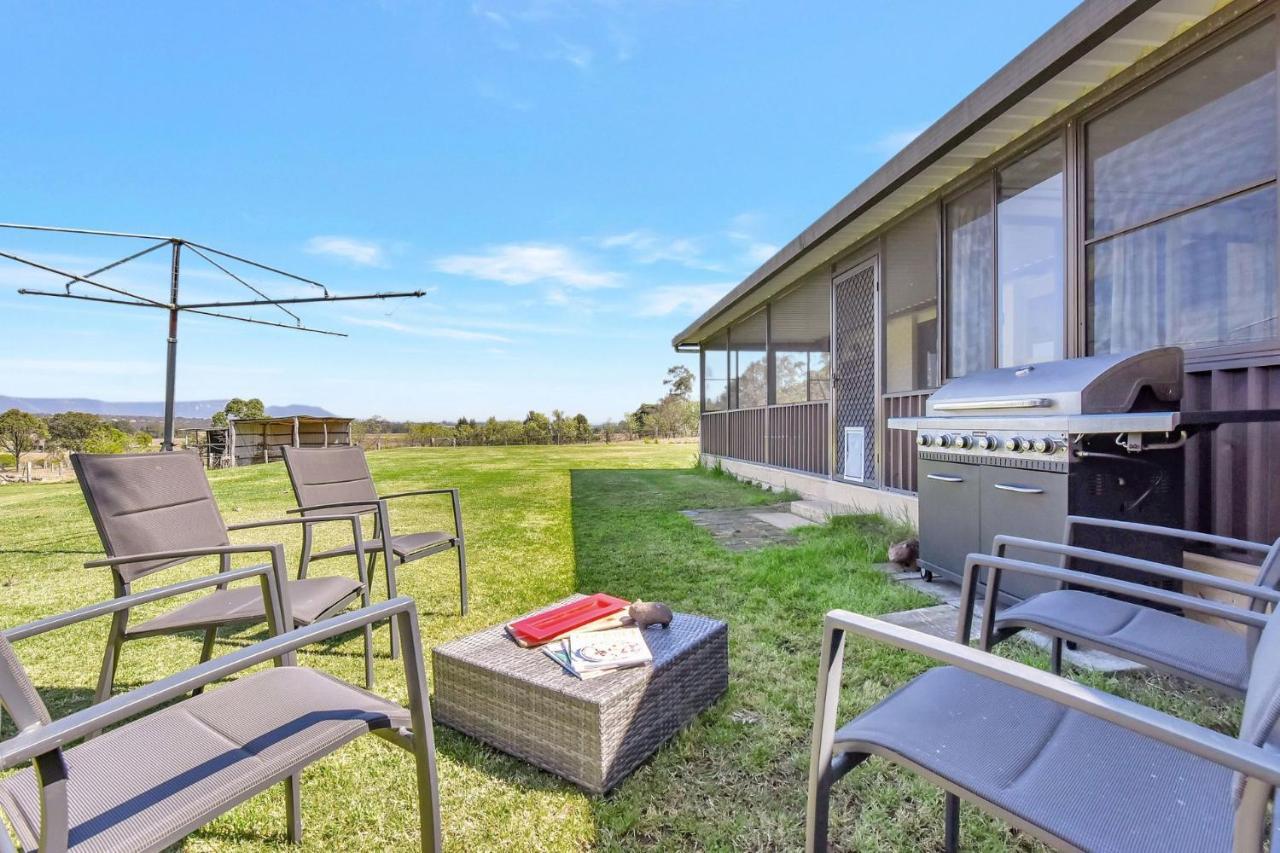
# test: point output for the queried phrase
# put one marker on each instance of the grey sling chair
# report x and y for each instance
(154, 511)
(1077, 768)
(337, 480)
(158, 777)
(1077, 610)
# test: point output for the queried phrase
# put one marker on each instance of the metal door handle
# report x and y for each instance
(945, 478)
(1022, 490)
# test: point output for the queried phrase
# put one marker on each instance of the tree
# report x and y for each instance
(537, 428)
(72, 431)
(20, 432)
(679, 381)
(581, 427)
(107, 439)
(142, 440)
(240, 409)
(559, 427)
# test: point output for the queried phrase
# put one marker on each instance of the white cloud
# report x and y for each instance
(364, 253)
(97, 367)
(646, 247)
(428, 331)
(758, 253)
(578, 55)
(682, 298)
(527, 263)
(893, 141)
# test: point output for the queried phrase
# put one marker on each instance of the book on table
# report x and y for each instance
(588, 654)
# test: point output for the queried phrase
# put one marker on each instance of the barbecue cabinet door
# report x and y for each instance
(1031, 504)
(949, 524)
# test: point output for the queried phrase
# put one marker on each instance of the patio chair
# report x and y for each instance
(337, 479)
(154, 511)
(153, 780)
(1160, 636)
(1075, 767)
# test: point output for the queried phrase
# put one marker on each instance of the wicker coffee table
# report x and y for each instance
(591, 732)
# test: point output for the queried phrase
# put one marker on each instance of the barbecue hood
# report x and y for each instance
(1100, 384)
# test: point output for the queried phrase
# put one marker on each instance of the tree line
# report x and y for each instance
(674, 415)
(67, 432)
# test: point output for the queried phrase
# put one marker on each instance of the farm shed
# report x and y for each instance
(258, 440)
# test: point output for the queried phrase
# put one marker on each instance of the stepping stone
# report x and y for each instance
(783, 520)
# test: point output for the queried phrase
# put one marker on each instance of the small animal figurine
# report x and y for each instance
(646, 613)
(905, 553)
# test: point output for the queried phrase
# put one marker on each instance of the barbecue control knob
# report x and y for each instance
(924, 439)
(1015, 444)
(1045, 445)
(988, 442)
(963, 442)
(944, 440)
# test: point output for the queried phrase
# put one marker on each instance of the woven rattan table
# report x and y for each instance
(591, 732)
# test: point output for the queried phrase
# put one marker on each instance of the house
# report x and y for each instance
(1112, 188)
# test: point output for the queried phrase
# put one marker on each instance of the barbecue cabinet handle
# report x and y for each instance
(945, 478)
(1022, 490)
(1023, 403)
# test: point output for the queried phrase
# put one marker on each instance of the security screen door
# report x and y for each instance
(854, 346)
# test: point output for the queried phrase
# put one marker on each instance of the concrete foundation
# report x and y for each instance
(844, 498)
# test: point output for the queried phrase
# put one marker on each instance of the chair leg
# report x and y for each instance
(1055, 656)
(111, 658)
(462, 575)
(951, 833)
(368, 642)
(304, 557)
(293, 807)
(389, 565)
(819, 816)
(206, 652)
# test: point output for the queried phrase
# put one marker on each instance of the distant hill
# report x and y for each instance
(196, 409)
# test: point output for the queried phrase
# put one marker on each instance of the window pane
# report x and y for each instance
(748, 369)
(1206, 277)
(800, 337)
(969, 308)
(1029, 223)
(715, 374)
(1205, 130)
(911, 304)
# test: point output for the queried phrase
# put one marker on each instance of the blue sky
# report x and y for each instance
(571, 181)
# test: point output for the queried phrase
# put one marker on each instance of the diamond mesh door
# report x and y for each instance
(854, 350)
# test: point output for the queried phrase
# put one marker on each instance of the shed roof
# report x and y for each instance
(1091, 44)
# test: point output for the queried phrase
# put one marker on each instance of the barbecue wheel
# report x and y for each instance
(927, 575)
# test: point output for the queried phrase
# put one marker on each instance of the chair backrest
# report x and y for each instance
(330, 475)
(146, 502)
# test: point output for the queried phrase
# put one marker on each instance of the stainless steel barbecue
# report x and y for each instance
(1018, 449)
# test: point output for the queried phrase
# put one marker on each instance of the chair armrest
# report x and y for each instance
(39, 740)
(418, 492)
(1221, 749)
(1250, 618)
(1149, 567)
(124, 602)
(179, 553)
(275, 522)
(1074, 521)
(368, 506)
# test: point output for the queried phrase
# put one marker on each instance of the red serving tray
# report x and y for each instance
(542, 627)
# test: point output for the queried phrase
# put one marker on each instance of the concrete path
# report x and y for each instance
(747, 528)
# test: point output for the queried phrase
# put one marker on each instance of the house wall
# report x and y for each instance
(1230, 487)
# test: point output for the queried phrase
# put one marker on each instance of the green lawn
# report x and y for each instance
(541, 523)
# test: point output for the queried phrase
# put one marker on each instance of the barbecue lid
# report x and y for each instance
(1099, 384)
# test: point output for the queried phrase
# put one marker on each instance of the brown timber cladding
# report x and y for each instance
(900, 445)
(796, 435)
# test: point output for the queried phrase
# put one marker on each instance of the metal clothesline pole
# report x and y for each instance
(174, 307)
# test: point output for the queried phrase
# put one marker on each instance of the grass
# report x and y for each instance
(541, 523)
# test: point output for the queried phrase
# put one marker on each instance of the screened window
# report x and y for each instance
(911, 304)
(1030, 269)
(1182, 206)
(748, 368)
(715, 374)
(800, 342)
(970, 244)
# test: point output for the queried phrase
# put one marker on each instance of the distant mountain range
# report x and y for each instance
(199, 409)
